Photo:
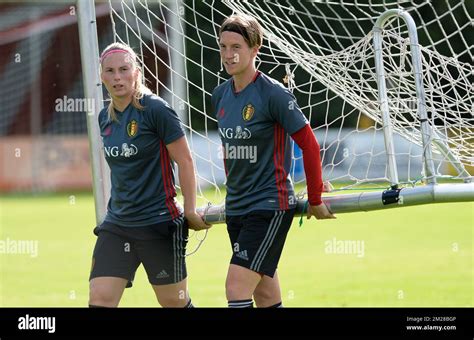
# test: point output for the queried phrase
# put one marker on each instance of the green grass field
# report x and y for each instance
(416, 256)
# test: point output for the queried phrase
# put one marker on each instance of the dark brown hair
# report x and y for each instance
(245, 25)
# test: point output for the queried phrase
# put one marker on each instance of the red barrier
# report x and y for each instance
(44, 163)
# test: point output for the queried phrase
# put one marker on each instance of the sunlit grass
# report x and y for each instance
(414, 256)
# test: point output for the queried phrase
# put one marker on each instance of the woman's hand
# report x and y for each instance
(321, 212)
(195, 221)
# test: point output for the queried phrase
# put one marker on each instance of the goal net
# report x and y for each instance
(324, 52)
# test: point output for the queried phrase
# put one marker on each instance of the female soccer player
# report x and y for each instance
(256, 115)
(144, 224)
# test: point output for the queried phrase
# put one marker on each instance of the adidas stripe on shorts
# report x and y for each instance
(161, 248)
(257, 238)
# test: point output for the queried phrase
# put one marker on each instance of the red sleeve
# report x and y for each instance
(312, 163)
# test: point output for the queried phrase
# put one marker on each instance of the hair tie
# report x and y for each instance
(236, 29)
(112, 51)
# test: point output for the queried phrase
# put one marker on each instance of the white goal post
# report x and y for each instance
(393, 115)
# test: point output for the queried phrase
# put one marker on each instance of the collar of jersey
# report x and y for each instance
(257, 73)
(124, 110)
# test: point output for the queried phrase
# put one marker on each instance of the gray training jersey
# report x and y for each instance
(254, 126)
(143, 191)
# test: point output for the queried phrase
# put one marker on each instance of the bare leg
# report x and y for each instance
(267, 293)
(241, 283)
(106, 291)
(172, 295)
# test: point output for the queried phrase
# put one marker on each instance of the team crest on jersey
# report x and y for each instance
(132, 128)
(247, 112)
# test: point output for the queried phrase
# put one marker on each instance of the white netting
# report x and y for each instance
(325, 51)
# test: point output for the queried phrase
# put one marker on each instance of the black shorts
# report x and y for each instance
(257, 238)
(161, 248)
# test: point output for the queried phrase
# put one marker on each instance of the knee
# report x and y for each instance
(102, 296)
(235, 290)
(266, 297)
(263, 294)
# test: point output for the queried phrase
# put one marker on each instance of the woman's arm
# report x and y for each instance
(312, 167)
(180, 153)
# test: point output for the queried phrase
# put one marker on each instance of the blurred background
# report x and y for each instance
(43, 128)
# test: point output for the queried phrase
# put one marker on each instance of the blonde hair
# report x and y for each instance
(140, 88)
(245, 25)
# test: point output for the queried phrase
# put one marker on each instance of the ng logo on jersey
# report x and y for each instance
(247, 112)
(238, 133)
(125, 151)
(132, 128)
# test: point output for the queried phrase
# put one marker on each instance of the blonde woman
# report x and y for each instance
(142, 136)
